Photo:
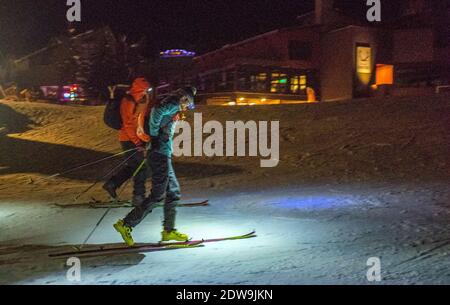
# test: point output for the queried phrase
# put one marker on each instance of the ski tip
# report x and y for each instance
(251, 233)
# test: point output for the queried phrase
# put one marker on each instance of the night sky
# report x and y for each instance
(198, 25)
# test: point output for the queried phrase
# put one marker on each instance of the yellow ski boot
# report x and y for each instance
(173, 235)
(125, 231)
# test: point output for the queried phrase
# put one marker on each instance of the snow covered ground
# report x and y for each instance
(335, 201)
(311, 235)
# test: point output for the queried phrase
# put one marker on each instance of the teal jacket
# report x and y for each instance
(162, 123)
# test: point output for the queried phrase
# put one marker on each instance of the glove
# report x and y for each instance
(142, 149)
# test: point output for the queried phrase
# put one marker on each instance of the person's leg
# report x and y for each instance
(159, 165)
(173, 196)
(139, 180)
(127, 170)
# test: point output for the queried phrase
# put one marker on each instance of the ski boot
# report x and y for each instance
(173, 235)
(125, 231)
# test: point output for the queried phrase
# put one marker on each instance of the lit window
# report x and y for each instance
(258, 82)
(385, 75)
(298, 83)
(279, 83)
(303, 82)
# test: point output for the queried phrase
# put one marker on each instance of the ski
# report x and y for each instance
(124, 204)
(127, 250)
(149, 247)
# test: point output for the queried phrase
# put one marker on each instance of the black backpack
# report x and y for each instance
(111, 116)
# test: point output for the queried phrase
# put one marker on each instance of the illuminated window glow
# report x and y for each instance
(298, 83)
(385, 75)
(279, 83)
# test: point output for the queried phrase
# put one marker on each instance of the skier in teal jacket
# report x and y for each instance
(165, 186)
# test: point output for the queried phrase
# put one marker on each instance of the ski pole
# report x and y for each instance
(107, 211)
(95, 228)
(88, 164)
(128, 181)
(104, 176)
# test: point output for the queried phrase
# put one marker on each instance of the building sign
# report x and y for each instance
(176, 53)
(363, 60)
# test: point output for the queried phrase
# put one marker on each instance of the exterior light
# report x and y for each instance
(177, 53)
(241, 99)
(263, 100)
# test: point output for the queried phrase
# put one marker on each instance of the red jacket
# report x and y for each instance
(129, 111)
(129, 121)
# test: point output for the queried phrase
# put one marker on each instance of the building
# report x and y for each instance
(408, 56)
(330, 56)
(275, 67)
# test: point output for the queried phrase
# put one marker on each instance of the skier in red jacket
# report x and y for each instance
(131, 105)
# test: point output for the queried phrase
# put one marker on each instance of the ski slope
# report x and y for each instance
(305, 236)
